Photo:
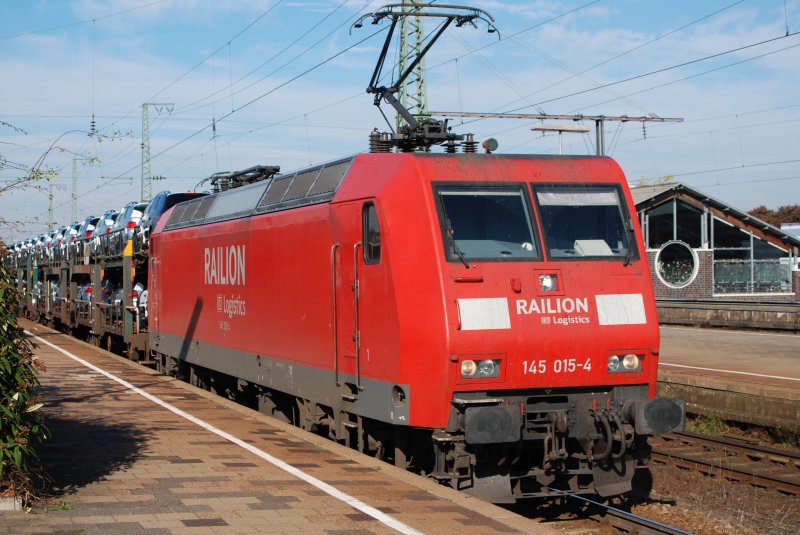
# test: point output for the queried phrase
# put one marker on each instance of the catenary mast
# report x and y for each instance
(413, 92)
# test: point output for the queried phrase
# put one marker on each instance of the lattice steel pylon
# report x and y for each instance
(413, 92)
(147, 176)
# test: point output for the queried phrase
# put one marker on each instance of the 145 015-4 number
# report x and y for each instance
(565, 365)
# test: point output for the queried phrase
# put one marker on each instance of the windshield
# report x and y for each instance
(583, 221)
(486, 223)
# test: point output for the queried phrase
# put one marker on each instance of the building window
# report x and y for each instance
(688, 225)
(772, 268)
(727, 236)
(732, 271)
(676, 264)
(674, 220)
(745, 264)
(660, 228)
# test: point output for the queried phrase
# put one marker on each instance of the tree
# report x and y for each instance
(784, 214)
(658, 181)
(21, 428)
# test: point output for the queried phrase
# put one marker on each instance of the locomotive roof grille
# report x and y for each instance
(203, 207)
(311, 186)
(314, 185)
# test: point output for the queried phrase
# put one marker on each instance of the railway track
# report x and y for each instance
(732, 459)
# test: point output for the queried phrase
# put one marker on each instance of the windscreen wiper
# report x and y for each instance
(631, 241)
(449, 231)
(455, 247)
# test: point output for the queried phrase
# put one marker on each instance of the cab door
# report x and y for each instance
(357, 245)
(344, 278)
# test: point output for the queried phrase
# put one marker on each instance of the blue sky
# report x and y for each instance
(236, 73)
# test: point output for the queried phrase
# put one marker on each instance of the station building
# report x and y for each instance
(700, 248)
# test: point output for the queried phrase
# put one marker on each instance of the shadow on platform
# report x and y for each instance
(81, 452)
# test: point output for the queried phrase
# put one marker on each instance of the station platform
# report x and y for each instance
(133, 451)
(745, 376)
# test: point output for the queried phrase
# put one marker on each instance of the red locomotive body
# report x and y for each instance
(487, 320)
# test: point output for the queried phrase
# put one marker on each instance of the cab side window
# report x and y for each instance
(372, 234)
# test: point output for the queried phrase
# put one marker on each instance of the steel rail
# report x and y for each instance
(630, 523)
(733, 459)
(623, 520)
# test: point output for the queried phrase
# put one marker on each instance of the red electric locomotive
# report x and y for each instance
(487, 320)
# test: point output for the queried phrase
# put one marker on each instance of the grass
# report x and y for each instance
(707, 424)
(61, 506)
(714, 424)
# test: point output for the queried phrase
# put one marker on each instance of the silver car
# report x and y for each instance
(127, 225)
(102, 231)
(80, 245)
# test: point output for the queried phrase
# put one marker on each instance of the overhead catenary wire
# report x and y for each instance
(630, 50)
(736, 128)
(261, 96)
(670, 68)
(216, 51)
(78, 23)
(196, 104)
(234, 110)
(520, 32)
(749, 181)
(733, 167)
(200, 63)
(658, 86)
(238, 34)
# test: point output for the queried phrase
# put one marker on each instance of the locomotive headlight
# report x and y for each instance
(624, 363)
(547, 282)
(482, 369)
(489, 368)
(468, 368)
(630, 362)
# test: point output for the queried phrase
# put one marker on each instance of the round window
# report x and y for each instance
(676, 264)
